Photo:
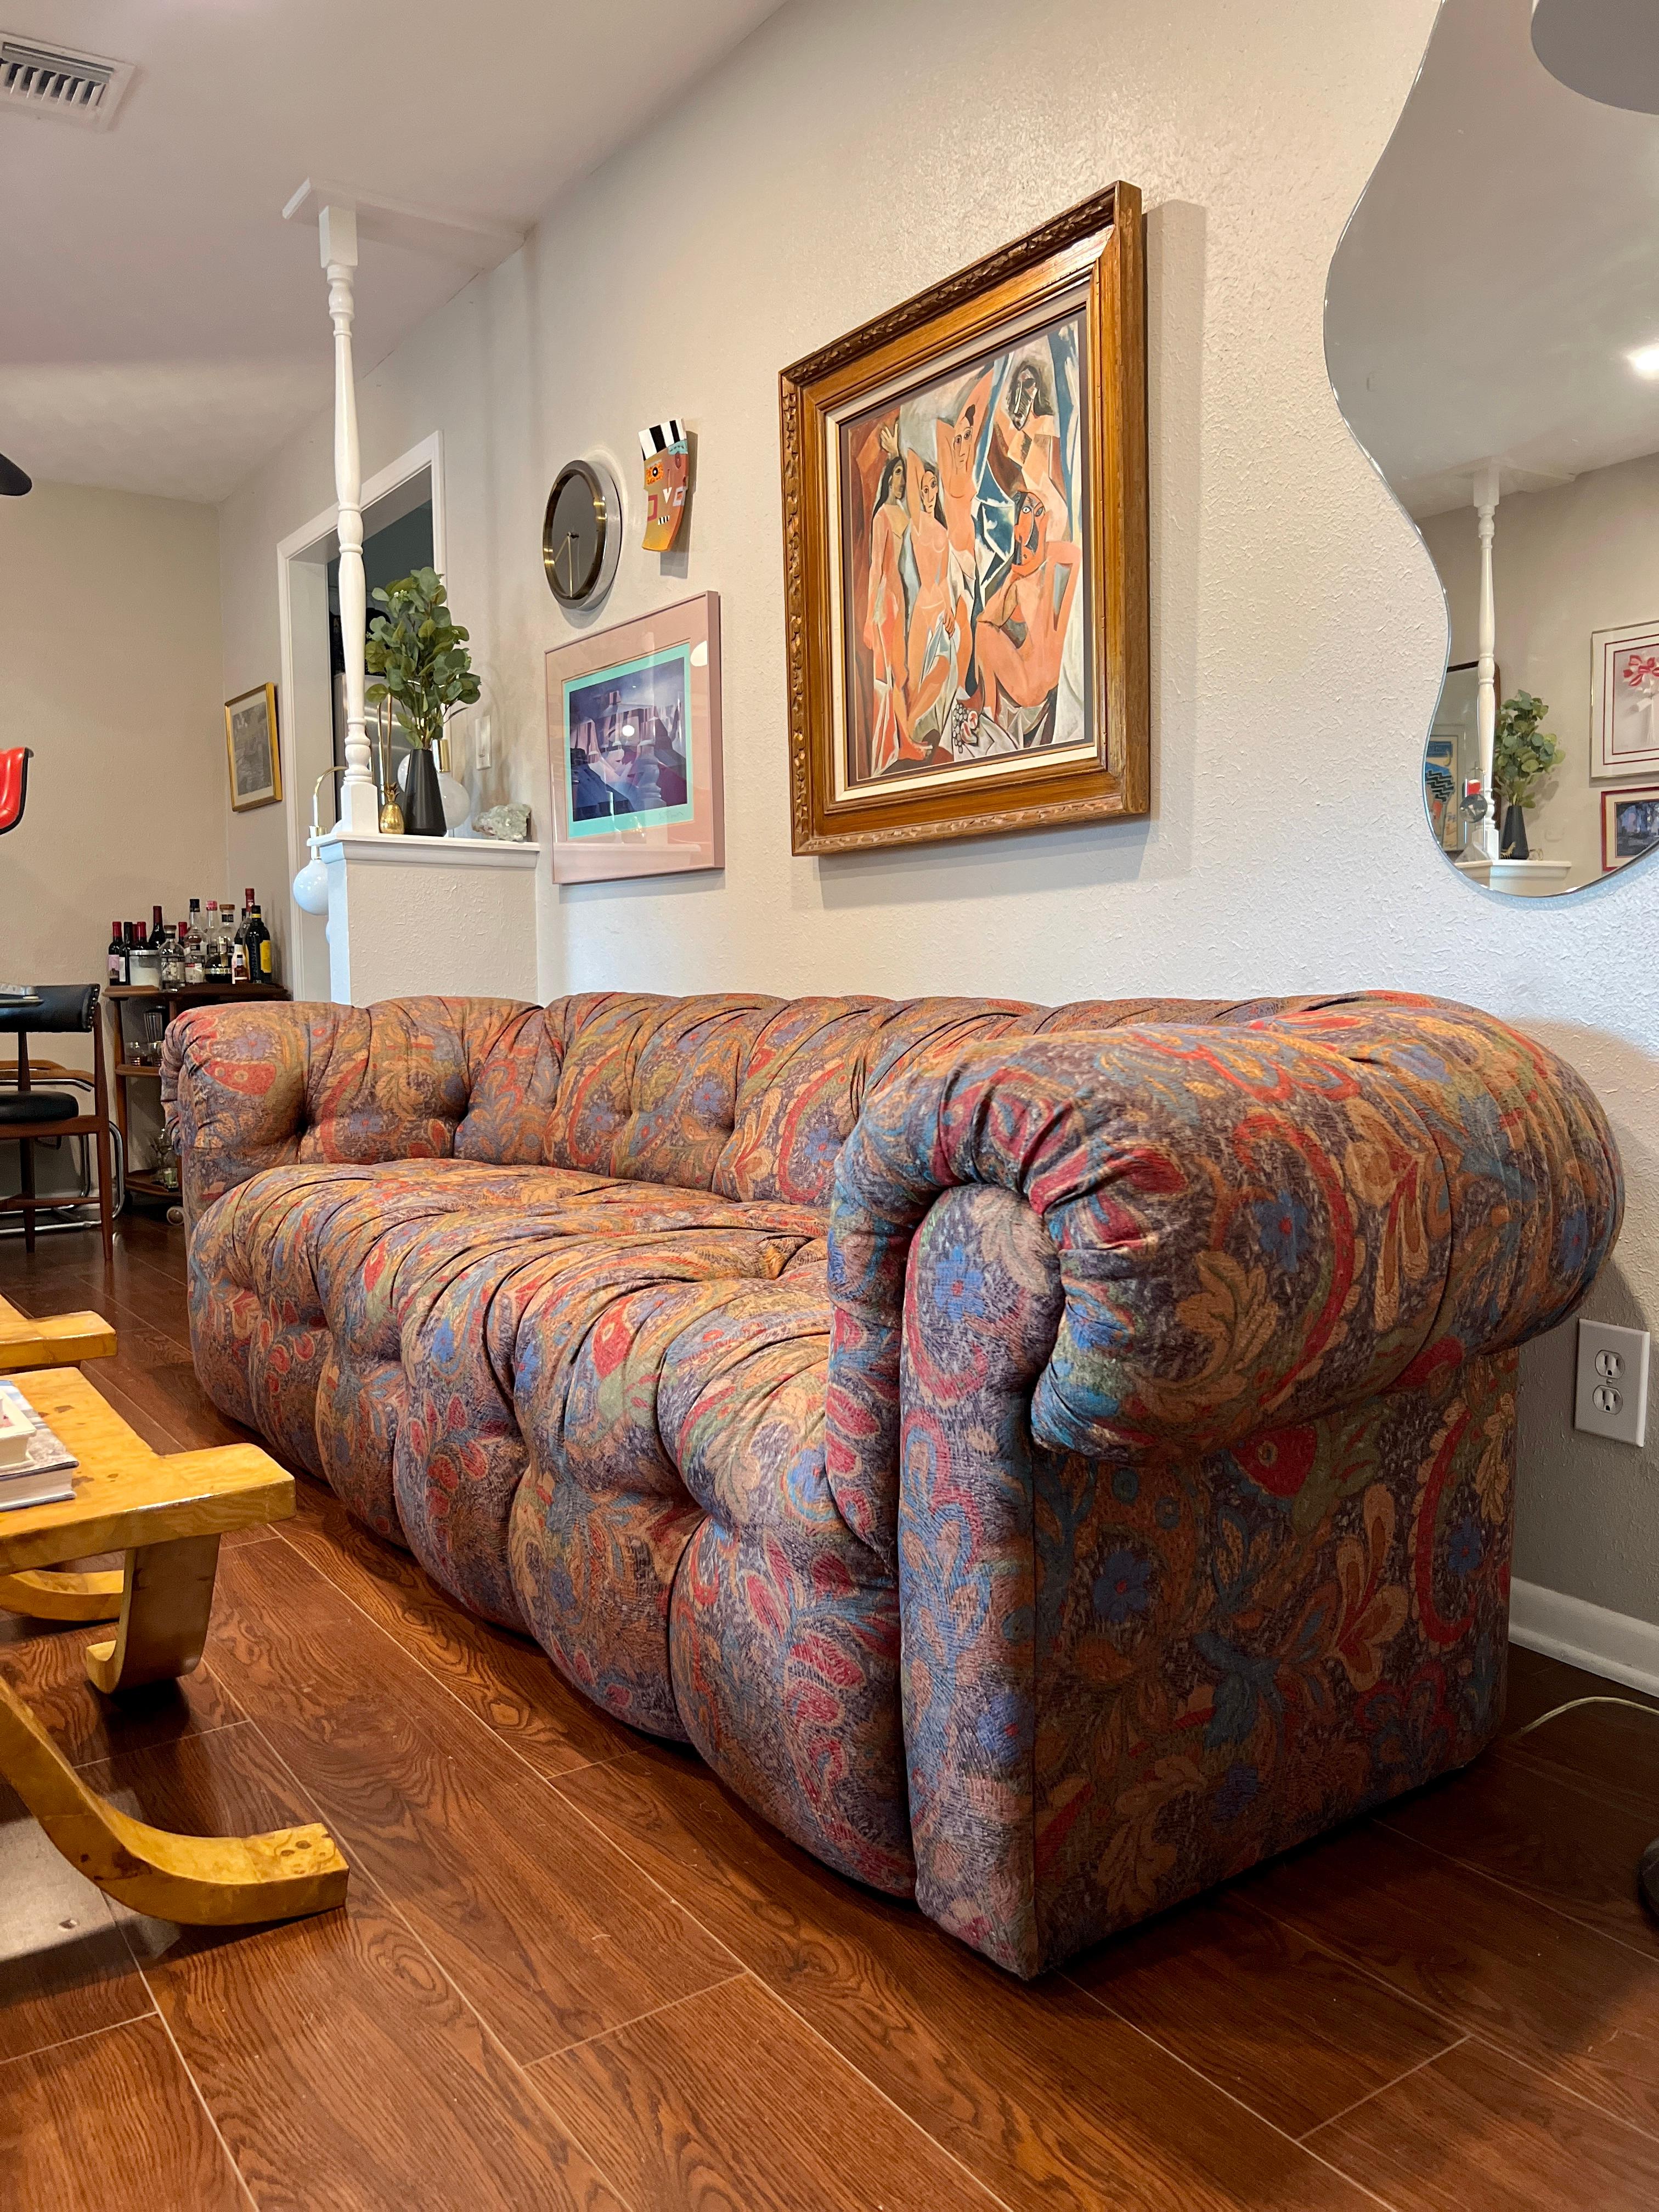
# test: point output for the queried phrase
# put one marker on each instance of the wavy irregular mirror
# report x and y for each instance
(1491, 328)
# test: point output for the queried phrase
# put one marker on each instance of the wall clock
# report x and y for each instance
(582, 532)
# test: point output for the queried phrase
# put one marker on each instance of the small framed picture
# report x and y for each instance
(1624, 699)
(634, 726)
(256, 762)
(1630, 825)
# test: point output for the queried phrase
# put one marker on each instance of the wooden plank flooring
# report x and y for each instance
(575, 1972)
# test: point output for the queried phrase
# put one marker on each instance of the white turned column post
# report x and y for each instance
(1490, 833)
(360, 806)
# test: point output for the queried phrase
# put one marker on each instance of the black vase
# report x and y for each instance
(1514, 844)
(424, 803)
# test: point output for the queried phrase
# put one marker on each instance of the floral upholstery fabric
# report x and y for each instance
(1045, 1459)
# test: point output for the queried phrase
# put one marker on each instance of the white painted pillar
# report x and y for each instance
(1490, 833)
(360, 806)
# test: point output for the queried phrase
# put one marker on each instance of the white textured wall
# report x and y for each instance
(847, 155)
(109, 668)
(1582, 557)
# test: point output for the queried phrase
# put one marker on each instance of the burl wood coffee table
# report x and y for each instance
(167, 1512)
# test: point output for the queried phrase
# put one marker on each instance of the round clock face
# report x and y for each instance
(583, 527)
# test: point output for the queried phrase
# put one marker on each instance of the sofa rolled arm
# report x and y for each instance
(1253, 1227)
(249, 1087)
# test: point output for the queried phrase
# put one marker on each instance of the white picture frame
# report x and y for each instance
(1624, 701)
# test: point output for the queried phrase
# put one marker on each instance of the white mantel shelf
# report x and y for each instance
(353, 846)
(1523, 878)
(409, 917)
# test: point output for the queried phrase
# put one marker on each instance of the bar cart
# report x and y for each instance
(136, 1050)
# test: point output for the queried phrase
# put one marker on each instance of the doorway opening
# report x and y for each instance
(402, 530)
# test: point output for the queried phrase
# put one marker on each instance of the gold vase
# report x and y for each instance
(391, 815)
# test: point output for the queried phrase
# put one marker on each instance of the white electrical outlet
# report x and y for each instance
(1612, 1396)
(483, 756)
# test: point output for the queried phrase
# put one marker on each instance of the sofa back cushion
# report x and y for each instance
(805, 1075)
(647, 1086)
(750, 1097)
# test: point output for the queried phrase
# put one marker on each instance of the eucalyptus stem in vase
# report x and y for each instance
(425, 673)
(1523, 754)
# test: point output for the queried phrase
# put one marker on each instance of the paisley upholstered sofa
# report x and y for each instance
(1045, 1460)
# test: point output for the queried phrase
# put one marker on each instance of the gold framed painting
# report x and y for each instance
(255, 755)
(964, 504)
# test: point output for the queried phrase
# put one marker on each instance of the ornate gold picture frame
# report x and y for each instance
(964, 504)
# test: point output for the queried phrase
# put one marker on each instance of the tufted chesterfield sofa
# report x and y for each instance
(1045, 1460)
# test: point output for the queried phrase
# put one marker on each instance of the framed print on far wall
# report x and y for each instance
(634, 725)
(251, 741)
(1630, 825)
(1624, 700)
(964, 511)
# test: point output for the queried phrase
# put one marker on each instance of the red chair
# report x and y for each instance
(14, 785)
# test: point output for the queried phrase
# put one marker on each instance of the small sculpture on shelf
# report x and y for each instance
(391, 815)
(509, 824)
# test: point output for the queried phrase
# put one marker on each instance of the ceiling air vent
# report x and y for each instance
(56, 81)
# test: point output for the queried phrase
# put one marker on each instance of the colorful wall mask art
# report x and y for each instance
(667, 466)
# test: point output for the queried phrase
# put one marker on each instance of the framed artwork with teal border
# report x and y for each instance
(633, 731)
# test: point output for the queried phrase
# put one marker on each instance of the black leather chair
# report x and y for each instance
(28, 1114)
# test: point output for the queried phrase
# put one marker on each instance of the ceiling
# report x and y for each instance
(1504, 260)
(164, 329)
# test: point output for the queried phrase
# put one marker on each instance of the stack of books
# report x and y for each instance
(33, 1464)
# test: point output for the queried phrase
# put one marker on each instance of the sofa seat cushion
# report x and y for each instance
(595, 1410)
(262, 1253)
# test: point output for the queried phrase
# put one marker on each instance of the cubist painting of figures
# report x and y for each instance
(963, 528)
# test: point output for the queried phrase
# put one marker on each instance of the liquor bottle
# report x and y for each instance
(116, 959)
(240, 970)
(143, 962)
(194, 971)
(261, 958)
(215, 952)
(173, 960)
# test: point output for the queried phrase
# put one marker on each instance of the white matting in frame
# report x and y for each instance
(1624, 699)
(633, 731)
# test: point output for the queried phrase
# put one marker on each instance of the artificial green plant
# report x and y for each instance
(1522, 754)
(420, 656)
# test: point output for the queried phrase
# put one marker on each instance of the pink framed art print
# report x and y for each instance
(633, 731)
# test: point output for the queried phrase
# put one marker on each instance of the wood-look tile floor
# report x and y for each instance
(574, 1972)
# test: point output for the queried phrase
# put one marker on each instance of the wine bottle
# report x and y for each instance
(115, 958)
(260, 956)
(143, 962)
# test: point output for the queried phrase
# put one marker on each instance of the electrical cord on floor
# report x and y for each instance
(1636, 1704)
(1647, 1873)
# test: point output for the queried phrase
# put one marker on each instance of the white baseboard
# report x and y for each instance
(1623, 1649)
